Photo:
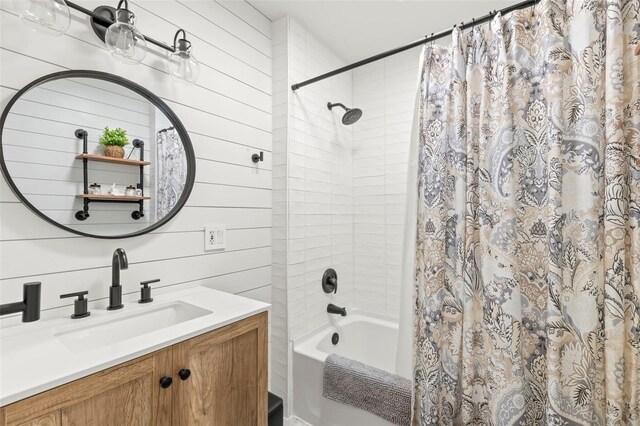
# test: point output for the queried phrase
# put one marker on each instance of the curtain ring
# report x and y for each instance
(430, 36)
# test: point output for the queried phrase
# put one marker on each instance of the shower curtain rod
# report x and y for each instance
(424, 40)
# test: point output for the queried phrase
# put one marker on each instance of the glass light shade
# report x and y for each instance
(48, 16)
(125, 42)
(182, 65)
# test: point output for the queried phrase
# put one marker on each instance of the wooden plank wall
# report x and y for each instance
(228, 116)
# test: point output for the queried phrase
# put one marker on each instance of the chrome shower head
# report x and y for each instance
(350, 116)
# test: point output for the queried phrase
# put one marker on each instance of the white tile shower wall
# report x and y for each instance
(228, 116)
(385, 91)
(313, 191)
(279, 237)
(320, 184)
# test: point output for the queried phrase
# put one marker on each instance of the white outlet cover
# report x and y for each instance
(214, 237)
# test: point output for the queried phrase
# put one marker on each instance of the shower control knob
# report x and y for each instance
(165, 382)
(184, 373)
(330, 281)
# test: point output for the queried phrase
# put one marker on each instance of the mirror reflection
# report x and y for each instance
(94, 156)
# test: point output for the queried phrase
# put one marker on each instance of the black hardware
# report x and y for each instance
(79, 305)
(333, 309)
(84, 213)
(103, 16)
(184, 373)
(145, 291)
(115, 298)
(445, 33)
(137, 143)
(29, 306)
(118, 261)
(330, 281)
(143, 92)
(181, 45)
(255, 157)
(335, 338)
(351, 115)
(165, 382)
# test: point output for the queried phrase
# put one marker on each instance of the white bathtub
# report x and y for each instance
(363, 337)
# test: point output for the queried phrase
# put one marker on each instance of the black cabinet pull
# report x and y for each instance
(165, 382)
(184, 374)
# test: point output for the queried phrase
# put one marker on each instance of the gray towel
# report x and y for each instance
(384, 394)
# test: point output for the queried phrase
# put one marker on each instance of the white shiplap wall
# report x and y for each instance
(228, 116)
(385, 90)
(40, 148)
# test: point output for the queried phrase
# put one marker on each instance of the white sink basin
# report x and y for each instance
(123, 328)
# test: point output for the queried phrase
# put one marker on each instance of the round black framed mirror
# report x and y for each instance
(96, 154)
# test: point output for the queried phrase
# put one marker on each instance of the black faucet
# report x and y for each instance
(30, 305)
(118, 262)
(333, 309)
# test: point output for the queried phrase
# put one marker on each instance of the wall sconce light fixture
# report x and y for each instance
(123, 39)
(181, 64)
(116, 28)
(49, 16)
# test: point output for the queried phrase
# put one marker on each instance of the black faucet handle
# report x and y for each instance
(79, 305)
(79, 294)
(145, 291)
(330, 281)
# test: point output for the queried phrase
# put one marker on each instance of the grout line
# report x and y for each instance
(131, 263)
(243, 20)
(224, 29)
(258, 10)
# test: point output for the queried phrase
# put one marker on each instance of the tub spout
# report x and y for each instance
(337, 310)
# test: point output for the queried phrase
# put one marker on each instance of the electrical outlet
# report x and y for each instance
(214, 237)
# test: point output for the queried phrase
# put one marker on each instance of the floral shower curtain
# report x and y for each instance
(171, 170)
(528, 239)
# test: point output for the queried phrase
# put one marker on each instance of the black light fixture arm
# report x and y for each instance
(107, 22)
(175, 38)
(426, 39)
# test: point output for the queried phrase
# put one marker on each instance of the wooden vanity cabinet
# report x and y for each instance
(226, 385)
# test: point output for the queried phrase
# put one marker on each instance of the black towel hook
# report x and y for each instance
(255, 157)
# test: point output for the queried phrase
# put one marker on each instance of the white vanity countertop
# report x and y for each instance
(34, 357)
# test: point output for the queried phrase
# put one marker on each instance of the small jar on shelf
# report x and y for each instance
(130, 191)
(95, 189)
